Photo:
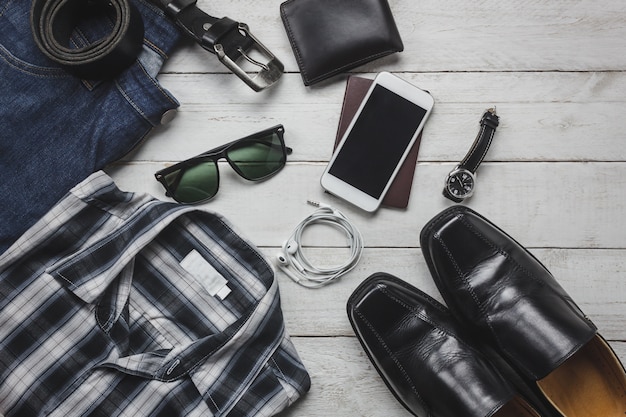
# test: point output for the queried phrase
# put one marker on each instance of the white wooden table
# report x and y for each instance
(555, 177)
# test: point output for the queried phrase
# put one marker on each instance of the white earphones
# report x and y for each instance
(283, 263)
(291, 247)
(306, 274)
(282, 259)
(286, 258)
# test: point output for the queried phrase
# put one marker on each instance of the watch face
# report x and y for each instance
(460, 183)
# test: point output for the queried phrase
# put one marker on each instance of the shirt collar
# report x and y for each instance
(91, 271)
(101, 274)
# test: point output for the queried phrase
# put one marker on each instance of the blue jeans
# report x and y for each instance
(56, 129)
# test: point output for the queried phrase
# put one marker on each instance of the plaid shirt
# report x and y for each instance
(119, 304)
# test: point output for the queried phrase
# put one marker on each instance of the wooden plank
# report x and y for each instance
(593, 278)
(454, 35)
(344, 382)
(555, 71)
(544, 116)
(541, 204)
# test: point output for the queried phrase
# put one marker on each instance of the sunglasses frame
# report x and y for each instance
(215, 155)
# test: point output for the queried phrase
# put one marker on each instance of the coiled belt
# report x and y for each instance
(53, 21)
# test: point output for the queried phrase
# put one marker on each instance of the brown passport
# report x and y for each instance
(400, 189)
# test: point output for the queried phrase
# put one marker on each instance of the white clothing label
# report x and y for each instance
(204, 272)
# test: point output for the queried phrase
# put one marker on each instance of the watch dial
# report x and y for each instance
(460, 184)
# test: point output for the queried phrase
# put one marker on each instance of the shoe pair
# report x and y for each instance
(511, 343)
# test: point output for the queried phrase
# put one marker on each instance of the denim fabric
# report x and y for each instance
(56, 129)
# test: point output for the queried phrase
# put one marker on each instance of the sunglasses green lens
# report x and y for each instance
(254, 158)
(257, 158)
(196, 183)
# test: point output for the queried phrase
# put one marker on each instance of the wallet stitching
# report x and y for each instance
(290, 33)
(353, 64)
(298, 54)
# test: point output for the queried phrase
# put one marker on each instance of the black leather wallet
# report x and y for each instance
(332, 36)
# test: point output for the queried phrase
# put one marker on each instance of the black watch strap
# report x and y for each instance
(460, 182)
(488, 124)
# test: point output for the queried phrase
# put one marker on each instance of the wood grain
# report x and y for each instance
(544, 116)
(345, 383)
(555, 177)
(543, 204)
(454, 35)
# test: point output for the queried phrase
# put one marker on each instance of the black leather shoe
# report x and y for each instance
(507, 297)
(420, 352)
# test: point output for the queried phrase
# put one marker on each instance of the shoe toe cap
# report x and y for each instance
(418, 349)
(497, 287)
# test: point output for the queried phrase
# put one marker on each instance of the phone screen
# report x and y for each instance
(377, 141)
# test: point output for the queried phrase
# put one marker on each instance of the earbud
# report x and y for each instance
(291, 247)
(283, 264)
(285, 261)
(295, 264)
(282, 259)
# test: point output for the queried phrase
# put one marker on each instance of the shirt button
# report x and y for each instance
(168, 116)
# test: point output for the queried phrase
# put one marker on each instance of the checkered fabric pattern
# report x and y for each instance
(117, 304)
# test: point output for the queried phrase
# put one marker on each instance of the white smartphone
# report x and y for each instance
(377, 141)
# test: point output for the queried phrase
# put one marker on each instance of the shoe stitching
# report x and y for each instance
(461, 215)
(435, 221)
(429, 321)
(516, 265)
(438, 327)
(393, 357)
(455, 211)
(486, 317)
(463, 277)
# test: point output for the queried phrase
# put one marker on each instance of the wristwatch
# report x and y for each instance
(461, 181)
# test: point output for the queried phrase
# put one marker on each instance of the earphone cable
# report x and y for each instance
(298, 267)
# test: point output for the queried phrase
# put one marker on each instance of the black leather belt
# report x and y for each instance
(53, 21)
(229, 40)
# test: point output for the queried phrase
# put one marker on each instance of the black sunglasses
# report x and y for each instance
(254, 157)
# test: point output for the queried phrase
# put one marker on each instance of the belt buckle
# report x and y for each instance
(270, 71)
